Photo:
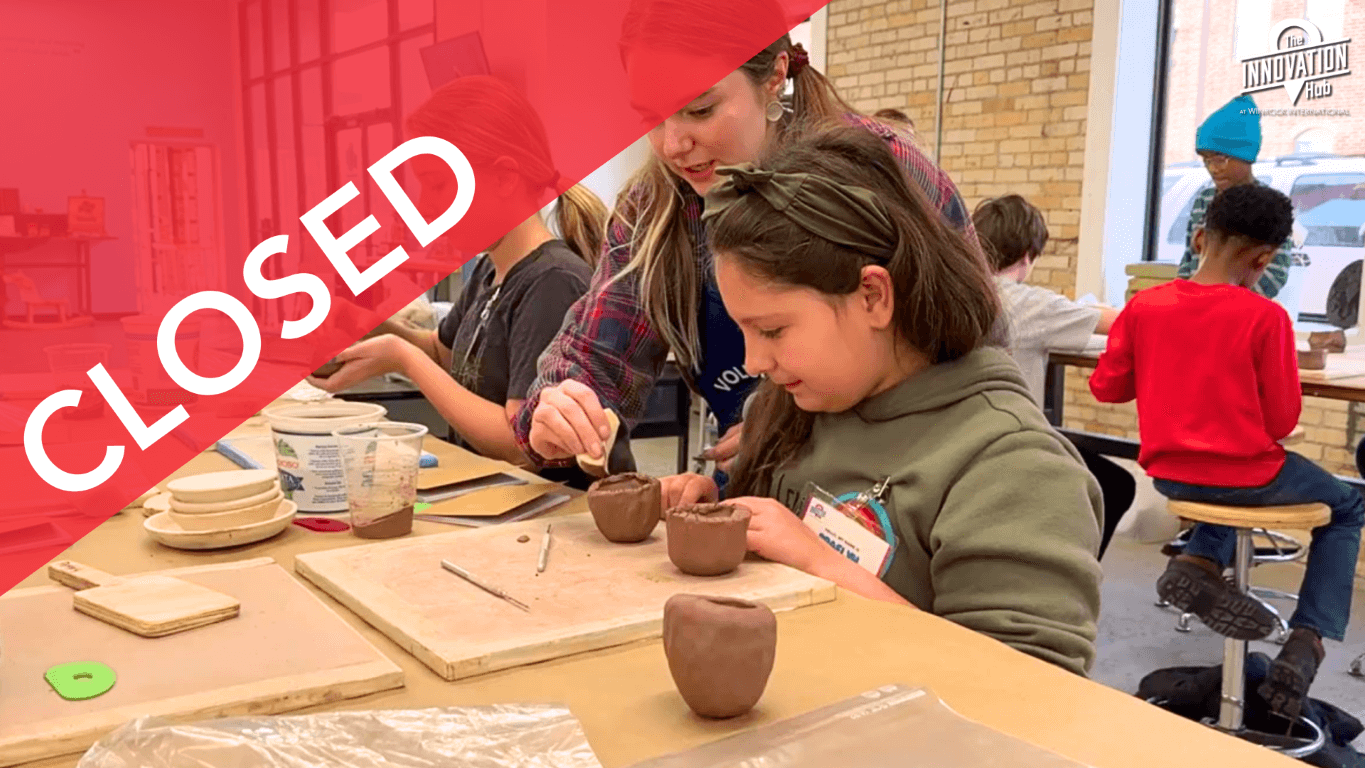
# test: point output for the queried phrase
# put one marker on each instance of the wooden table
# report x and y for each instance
(629, 708)
(1054, 400)
(15, 244)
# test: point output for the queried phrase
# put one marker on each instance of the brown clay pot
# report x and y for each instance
(1332, 341)
(720, 652)
(626, 507)
(1312, 359)
(707, 539)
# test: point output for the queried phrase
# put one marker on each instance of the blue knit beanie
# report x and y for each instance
(1234, 130)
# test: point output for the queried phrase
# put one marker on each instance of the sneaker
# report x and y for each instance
(1286, 684)
(1196, 589)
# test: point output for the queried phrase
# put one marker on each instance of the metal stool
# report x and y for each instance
(1281, 549)
(1245, 520)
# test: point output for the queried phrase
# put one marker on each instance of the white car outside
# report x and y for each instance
(1329, 220)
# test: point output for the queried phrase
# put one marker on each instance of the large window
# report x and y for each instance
(327, 84)
(1291, 57)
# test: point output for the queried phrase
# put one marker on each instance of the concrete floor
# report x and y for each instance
(1136, 637)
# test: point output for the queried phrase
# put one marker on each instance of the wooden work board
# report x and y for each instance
(593, 593)
(1339, 366)
(285, 651)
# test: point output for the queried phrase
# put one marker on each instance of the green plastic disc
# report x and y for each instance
(80, 680)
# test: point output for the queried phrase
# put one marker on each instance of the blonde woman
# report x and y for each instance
(521, 287)
(654, 292)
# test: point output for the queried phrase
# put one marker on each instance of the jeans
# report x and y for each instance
(1325, 596)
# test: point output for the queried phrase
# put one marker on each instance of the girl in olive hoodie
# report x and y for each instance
(875, 324)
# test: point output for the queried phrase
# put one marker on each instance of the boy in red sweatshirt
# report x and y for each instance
(1211, 408)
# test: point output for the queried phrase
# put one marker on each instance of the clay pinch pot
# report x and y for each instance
(708, 539)
(1312, 359)
(1332, 341)
(626, 507)
(720, 652)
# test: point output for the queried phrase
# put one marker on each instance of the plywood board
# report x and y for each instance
(1338, 367)
(490, 502)
(471, 468)
(150, 606)
(286, 651)
(593, 594)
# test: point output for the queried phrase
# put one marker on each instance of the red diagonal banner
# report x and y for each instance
(238, 181)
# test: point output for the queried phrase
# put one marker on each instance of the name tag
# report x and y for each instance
(840, 527)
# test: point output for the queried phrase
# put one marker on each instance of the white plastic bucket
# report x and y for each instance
(151, 384)
(311, 474)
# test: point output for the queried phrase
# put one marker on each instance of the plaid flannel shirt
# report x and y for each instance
(1276, 273)
(608, 341)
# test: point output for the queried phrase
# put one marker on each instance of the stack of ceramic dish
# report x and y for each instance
(220, 509)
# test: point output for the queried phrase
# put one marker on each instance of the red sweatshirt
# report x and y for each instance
(1216, 377)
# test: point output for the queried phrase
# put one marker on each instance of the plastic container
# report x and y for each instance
(70, 362)
(151, 384)
(311, 473)
(381, 462)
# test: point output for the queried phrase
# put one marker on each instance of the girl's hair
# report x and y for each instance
(487, 119)
(945, 299)
(662, 251)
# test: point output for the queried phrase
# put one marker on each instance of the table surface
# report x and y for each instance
(630, 710)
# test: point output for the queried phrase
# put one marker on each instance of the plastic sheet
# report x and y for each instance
(893, 725)
(502, 736)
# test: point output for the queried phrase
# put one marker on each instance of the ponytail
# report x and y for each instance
(581, 218)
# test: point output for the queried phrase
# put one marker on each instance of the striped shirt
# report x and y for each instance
(1276, 273)
(608, 340)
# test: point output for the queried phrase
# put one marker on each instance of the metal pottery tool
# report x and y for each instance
(494, 591)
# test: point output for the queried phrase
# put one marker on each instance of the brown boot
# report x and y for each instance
(1196, 585)
(1292, 672)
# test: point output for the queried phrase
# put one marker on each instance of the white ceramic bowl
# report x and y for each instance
(158, 503)
(212, 487)
(166, 531)
(217, 521)
(191, 508)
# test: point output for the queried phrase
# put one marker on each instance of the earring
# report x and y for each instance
(775, 110)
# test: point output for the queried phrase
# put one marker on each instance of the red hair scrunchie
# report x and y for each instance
(799, 60)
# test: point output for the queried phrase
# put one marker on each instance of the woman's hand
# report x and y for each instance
(568, 421)
(691, 488)
(724, 451)
(778, 535)
(370, 358)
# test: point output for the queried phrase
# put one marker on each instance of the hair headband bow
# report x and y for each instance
(845, 214)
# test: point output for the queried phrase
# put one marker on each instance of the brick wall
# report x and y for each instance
(1190, 99)
(1016, 87)
(1017, 77)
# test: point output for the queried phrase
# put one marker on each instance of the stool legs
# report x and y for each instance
(1233, 702)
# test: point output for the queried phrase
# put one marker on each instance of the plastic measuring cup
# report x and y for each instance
(381, 462)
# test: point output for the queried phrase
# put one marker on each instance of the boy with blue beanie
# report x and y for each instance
(1229, 141)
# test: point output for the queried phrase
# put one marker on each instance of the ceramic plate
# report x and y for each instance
(158, 503)
(169, 533)
(236, 518)
(189, 508)
(214, 487)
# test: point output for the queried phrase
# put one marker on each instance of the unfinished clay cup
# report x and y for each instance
(720, 652)
(708, 539)
(626, 507)
(1312, 359)
(1331, 341)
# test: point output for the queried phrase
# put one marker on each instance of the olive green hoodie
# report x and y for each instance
(997, 520)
